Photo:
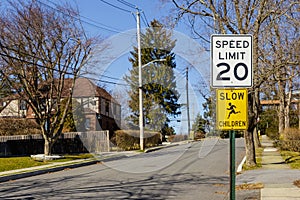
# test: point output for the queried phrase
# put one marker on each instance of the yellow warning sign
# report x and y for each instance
(232, 112)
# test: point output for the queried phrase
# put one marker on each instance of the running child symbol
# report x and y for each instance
(232, 110)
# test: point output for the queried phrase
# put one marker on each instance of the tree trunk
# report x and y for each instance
(288, 104)
(256, 108)
(48, 147)
(248, 134)
(281, 107)
(299, 115)
(287, 117)
(280, 119)
(250, 149)
(256, 138)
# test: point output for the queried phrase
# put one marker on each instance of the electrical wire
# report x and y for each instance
(94, 23)
(118, 79)
(127, 3)
(54, 69)
(103, 81)
(134, 17)
(144, 18)
(117, 7)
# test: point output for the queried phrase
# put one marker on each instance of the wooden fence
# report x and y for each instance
(68, 143)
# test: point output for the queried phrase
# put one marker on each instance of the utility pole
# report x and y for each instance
(187, 101)
(141, 114)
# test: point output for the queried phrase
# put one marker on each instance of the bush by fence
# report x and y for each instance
(130, 139)
(290, 140)
(15, 126)
(177, 138)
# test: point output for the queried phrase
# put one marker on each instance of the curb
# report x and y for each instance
(159, 147)
(240, 167)
(6, 178)
(24, 174)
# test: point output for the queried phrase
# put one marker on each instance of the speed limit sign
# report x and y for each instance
(231, 61)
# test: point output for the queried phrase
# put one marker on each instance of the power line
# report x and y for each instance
(67, 73)
(127, 3)
(54, 69)
(133, 15)
(144, 18)
(117, 7)
(94, 23)
(99, 80)
(118, 79)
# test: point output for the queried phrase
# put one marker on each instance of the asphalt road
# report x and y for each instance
(198, 170)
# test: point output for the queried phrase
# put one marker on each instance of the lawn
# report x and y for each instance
(11, 163)
(258, 155)
(291, 158)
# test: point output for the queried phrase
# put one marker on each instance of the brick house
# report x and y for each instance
(101, 110)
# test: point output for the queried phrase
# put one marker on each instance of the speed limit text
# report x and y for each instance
(232, 44)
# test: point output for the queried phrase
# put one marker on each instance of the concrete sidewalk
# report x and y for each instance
(272, 160)
(276, 176)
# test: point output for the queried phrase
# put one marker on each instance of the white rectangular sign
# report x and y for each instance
(231, 61)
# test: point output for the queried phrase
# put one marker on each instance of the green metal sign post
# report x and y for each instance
(232, 164)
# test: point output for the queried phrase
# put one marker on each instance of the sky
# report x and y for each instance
(115, 22)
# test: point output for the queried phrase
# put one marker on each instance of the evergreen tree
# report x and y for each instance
(160, 97)
(200, 124)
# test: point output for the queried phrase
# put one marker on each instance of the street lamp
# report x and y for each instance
(141, 114)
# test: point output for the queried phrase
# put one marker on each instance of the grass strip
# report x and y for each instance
(258, 156)
(292, 158)
(13, 163)
(249, 186)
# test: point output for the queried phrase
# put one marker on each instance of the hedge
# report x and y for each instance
(15, 126)
(290, 140)
(130, 139)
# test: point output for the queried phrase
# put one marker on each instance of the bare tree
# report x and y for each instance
(282, 54)
(43, 50)
(236, 17)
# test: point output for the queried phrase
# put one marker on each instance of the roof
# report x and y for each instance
(275, 102)
(83, 88)
(86, 88)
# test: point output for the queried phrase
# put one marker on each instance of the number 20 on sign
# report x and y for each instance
(231, 61)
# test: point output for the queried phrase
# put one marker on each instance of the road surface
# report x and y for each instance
(198, 170)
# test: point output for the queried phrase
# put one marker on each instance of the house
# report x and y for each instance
(12, 107)
(101, 111)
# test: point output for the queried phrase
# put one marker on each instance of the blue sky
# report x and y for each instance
(116, 24)
(119, 22)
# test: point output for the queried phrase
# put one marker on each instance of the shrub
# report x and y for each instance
(13, 126)
(177, 138)
(130, 139)
(290, 140)
(199, 135)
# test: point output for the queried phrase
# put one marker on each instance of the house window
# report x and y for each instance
(114, 109)
(87, 124)
(92, 101)
(107, 108)
(22, 105)
(85, 102)
(118, 111)
(103, 104)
